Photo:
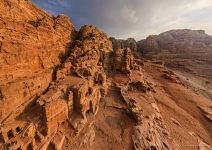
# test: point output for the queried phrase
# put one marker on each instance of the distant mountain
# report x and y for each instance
(191, 49)
(184, 43)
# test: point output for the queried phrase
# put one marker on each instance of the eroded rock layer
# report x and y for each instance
(122, 44)
(31, 44)
(80, 91)
(188, 52)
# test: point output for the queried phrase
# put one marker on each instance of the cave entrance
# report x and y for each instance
(29, 147)
(18, 129)
(10, 134)
(1, 138)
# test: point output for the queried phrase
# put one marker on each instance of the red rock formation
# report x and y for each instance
(182, 43)
(189, 52)
(123, 44)
(185, 50)
(31, 43)
(80, 93)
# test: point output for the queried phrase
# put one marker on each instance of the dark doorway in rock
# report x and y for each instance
(1, 138)
(10, 134)
(18, 129)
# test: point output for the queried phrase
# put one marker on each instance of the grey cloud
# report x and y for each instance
(135, 18)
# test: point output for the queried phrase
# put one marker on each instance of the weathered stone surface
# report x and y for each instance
(139, 86)
(54, 115)
(31, 42)
(57, 142)
(184, 50)
(187, 43)
(79, 83)
(149, 135)
(169, 75)
(63, 89)
(207, 112)
(150, 131)
(123, 44)
(124, 61)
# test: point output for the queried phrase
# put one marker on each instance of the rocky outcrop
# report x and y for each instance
(207, 112)
(150, 131)
(123, 60)
(91, 53)
(31, 43)
(86, 64)
(148, 136)
(123, 56)
(63, 73)
(79, 83)
(169, 75)
(123, 44)
(182, 43)
(188, 51)
(67, 89)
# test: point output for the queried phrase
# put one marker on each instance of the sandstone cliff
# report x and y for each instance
(67, 89)
(121, 44)
(31, 43)
(189, 52)
(181, 47)
(178, 43)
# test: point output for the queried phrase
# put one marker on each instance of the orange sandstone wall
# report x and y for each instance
(31, 44)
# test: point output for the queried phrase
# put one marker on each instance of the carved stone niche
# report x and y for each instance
(100, 79)
(54, 112)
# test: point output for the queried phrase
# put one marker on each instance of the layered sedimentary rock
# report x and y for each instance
(84, 91)
(63, 73)
(76, 83)
(123, 44)
(188, 52)
(31, 44)
(184, 50)
(182, 43)
(150, 132)
(123, 60)
(124, 55)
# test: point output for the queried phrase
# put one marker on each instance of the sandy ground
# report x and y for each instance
(181, 103)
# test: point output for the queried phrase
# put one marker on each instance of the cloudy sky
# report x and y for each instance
(135, 18)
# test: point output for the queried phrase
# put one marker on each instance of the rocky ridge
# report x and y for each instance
(97, 95)
(30, 48)
(121, 44)
(183, 43)
(188, 52)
